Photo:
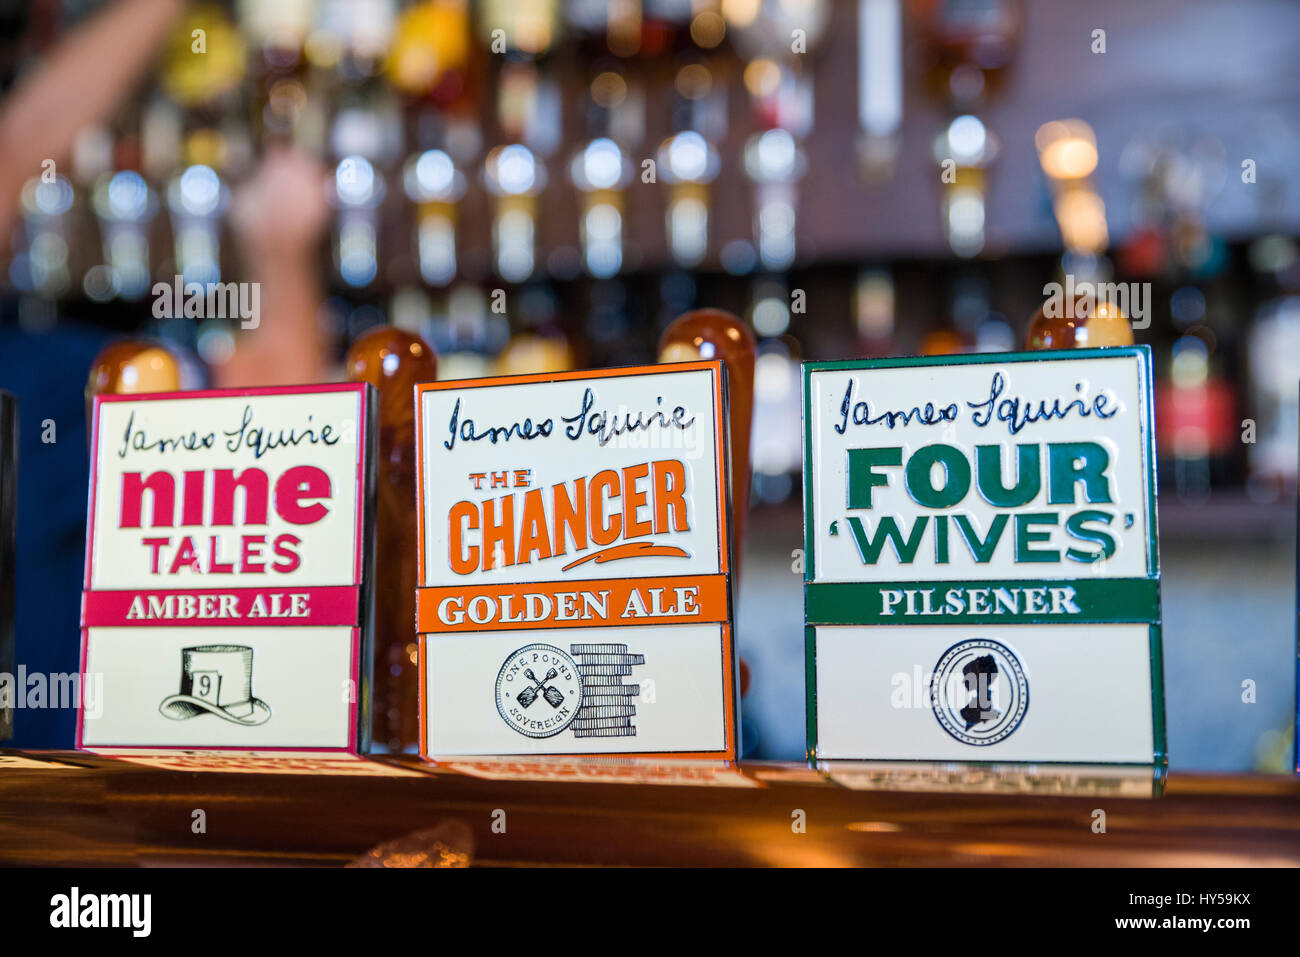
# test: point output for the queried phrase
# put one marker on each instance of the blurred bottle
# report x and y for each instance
(539, 343)
(966, 48)
(1196, 415)
(1274, 351)
(873, 302)
(471, 332)
(944, 341)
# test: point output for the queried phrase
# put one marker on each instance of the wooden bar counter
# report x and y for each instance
(74, 808)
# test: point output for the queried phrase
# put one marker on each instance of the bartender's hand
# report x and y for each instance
(279, 217)
(282, 210)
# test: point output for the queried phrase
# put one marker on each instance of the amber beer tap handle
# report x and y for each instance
(137, 366)
(1088, 324)
(716, 334)
(393, 362)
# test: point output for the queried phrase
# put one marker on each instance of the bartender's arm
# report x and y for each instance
(84, 78)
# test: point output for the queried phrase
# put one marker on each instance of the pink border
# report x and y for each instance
(361, 391)
(352, 717)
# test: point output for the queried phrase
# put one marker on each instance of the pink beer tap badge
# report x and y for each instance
(225, 605)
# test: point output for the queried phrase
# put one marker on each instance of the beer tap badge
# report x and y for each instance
(574, 572)
(981, 570)
(226, 555)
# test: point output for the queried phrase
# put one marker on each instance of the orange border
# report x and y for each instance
(720, 431)
(711, 602)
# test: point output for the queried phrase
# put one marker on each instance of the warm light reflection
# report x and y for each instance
(741, 13)
(1067, 149)
(1081, 216)
(762, 76)
(874, 827)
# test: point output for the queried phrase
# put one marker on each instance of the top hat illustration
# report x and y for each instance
(217, 679)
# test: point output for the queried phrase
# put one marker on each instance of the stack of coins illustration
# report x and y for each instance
(607, 704)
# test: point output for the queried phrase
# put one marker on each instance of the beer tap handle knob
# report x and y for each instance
(717, 334)
(394, 361)
(1087, 324)
(138, 366)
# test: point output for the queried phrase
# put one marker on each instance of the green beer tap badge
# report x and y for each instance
(981, 564)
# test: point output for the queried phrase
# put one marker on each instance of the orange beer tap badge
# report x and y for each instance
(574, 570)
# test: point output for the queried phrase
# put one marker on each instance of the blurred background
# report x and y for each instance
(537, 184)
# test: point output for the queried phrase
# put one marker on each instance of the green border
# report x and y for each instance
(810, 689)
(1161, 756)
(826, 768)
(1143, 354)
(1103, 601)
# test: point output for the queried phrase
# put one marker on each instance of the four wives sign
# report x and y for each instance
(982, 579)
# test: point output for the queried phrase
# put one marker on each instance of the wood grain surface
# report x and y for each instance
(103, 811)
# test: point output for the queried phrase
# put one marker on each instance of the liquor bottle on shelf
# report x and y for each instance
(774, 40)
(42, 265)
(515, 176)
(358, 190)
(1274, 349)
(601, 172)
(203, 66)
(431, 51)
(528, 120)
(539, 343)
(1196, 414)
(364, 139)
(873, 300)
(430, 62)
(125, 205)
(688, 161)
(468, 335)
(393, 361)
(92, 162)
(777, 433)
(880, 86)
(434, 184)
(946, 340)
(204, 58)
(967, 49)
(197, 199)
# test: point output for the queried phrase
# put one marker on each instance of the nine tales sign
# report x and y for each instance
(224, 603)
(574, 571)
(981, 575)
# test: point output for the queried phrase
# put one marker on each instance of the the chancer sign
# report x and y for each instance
(982, 578)
(574, 594)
